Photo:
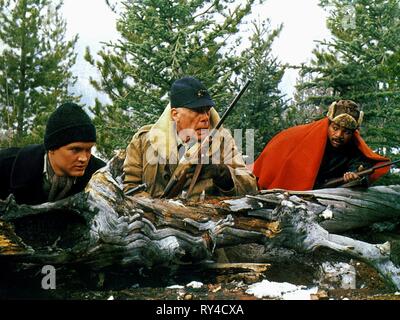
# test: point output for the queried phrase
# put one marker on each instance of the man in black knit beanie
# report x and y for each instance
(60, 167)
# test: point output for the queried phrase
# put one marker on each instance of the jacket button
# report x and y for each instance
(166, 176)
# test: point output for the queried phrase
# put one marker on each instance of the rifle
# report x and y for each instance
(338, 181)
(138, 188)
(178, 178)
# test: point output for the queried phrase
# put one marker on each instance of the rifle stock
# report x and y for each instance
(178, 180)
(339, 181)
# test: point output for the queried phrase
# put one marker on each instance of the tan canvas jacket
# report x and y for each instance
(152, 157)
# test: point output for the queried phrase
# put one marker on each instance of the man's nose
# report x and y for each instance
(339, 133)
(205, 115)
(83, 156)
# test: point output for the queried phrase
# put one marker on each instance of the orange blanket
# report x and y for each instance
(292, 158)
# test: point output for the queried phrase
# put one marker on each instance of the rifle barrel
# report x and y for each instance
(138, 188)
(226, 113)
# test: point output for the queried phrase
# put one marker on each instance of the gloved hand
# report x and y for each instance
(219, 173)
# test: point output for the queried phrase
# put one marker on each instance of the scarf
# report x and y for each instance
(59, 186)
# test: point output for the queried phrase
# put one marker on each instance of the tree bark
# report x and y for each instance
(101, 227)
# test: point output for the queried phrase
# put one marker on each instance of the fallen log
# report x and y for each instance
(101, 227)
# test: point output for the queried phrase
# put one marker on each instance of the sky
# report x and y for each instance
(304, 23)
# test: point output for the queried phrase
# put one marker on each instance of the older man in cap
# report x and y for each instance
(155, 150)
(308, 156)
(56, 169)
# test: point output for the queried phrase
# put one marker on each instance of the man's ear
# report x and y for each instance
(174, 114)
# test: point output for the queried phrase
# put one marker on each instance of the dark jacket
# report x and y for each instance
(21, 173)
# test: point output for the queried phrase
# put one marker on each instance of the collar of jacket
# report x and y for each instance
(162, 135)
(28, 166)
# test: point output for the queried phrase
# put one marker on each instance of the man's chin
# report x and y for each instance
(337, 145)
(77, 173)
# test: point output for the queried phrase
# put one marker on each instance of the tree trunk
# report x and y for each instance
(101, 227)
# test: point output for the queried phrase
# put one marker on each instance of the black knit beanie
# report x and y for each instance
(67, 124)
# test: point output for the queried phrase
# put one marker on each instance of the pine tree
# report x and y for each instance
(361, 63)
(263, 107)
(162, 41)
(35, 62)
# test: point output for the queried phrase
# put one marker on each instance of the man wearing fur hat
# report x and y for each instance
(60, 167)
(156, 150)
(307, 156)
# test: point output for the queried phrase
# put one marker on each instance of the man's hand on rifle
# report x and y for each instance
(361, 173)
(350, 176)
(219, 173)
(353, 176)
(353, 179)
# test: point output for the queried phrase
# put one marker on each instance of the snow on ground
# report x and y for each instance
(195, 284)
(281, 290)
